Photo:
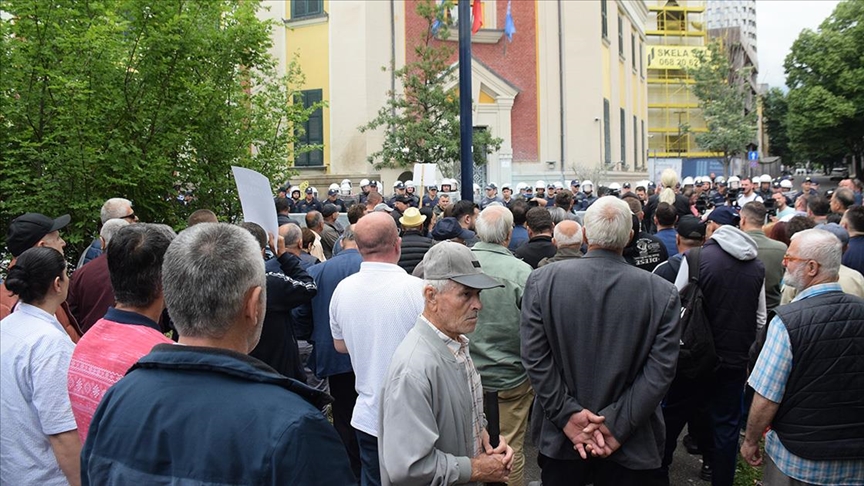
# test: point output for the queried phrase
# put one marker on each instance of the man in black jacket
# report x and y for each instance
(414, 244)
(732, 280)
(286, 289)
(539, 244)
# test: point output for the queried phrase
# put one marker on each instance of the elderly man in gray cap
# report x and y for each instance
(432, 426)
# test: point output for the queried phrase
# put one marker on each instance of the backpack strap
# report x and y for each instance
(693, 258)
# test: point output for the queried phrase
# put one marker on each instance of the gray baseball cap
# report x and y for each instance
(453, 261)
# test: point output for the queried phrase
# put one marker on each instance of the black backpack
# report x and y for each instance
(697, 356)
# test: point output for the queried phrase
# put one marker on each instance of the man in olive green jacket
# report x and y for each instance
(769, 252)
(495, 345)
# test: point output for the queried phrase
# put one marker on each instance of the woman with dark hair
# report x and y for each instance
(39, 436)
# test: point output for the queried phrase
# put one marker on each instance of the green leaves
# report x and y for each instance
(422, 121)
(138, 99)
(824, 72)
(722, 95)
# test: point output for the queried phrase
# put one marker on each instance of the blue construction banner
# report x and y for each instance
(701, 167)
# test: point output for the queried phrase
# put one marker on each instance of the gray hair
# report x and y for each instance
(494, 224)
(208, 270)
(562, 239)
(114, 208)
(110, 228)
(349, 234)
(608, 223)
(557, 214)
(439, 285)
(291, 233)
(823, 247)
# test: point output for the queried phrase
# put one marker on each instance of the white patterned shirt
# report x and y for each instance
(372, 311)
(463, 357)
(35, 352)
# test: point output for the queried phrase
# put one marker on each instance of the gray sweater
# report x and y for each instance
(425, 435)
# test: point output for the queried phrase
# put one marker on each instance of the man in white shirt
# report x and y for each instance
(747, 193)
(370, 313)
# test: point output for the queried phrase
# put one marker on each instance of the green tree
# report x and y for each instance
(824, 72)
(138, 99)
(774, 110)
(422, 121)
(722, 95)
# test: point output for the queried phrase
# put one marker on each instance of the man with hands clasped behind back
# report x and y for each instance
(599, 381)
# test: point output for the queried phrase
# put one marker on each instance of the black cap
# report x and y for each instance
(26, 230)
(691, 227)
(724, 215)
(309, 190)
(403, 199)
(328, 210)
(332, 192)
(808, 179)
(399, 185)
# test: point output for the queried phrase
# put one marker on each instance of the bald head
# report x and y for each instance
(293, 236)
(314, 220)
(377, 238)
(568, 233)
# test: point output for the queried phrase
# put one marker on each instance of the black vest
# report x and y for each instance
(821, 415)
(731, 288)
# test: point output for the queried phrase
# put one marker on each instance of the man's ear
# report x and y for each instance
(253, 306)
(102, 243)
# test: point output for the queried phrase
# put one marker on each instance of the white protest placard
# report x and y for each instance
(256, 198)
(425, 175)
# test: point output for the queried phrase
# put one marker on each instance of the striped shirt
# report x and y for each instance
(769, 379)
(460, 351)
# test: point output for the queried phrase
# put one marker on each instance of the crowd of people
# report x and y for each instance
(420, 341)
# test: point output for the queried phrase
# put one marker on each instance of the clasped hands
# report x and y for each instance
(494, 463)
(589, 435)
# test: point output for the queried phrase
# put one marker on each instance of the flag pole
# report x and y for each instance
(466, 123)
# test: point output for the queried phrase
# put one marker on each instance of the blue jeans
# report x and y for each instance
(370, 470)
(725, 411)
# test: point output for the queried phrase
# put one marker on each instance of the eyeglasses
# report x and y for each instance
(787, 258)
(130, 216)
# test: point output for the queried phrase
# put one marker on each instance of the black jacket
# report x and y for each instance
(414, 248)
(731, 287)
(286, 289)
(536, 249)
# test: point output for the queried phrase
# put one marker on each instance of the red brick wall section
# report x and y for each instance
(517, 64)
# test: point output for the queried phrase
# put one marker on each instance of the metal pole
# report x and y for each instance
(466, 122)
(561, 87)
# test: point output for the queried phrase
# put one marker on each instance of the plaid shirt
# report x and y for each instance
(769, 379)
(460, 351)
